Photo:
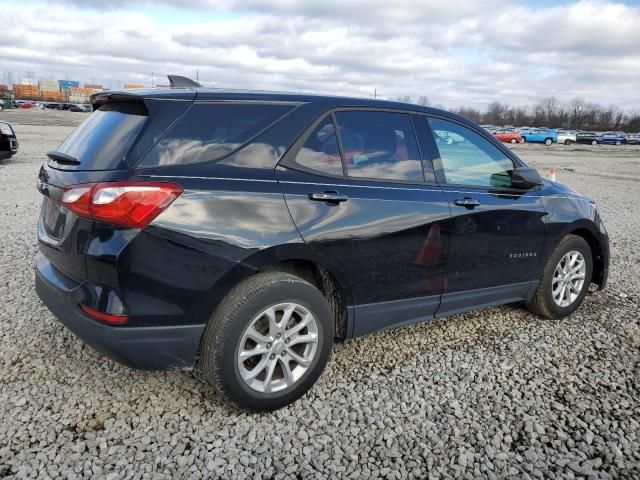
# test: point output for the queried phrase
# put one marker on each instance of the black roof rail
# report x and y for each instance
(177, 81)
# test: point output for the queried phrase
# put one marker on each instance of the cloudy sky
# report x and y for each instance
(456, 53)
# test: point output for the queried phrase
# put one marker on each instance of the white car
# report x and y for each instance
(567, 137)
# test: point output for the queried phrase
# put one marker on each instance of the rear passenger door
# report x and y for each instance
(364, 198)
(497, 231)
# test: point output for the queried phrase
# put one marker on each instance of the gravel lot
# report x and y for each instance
(496, 393)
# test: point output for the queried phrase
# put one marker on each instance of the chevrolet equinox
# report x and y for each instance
(241, 232)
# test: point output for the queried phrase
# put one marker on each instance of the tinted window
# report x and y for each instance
(103, 139)
(211, 131)
(320, 151)
(468, 158)
(380, 145)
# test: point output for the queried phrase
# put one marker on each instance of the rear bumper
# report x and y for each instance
(148, 348)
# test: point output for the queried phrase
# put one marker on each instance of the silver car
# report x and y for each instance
(567, 137)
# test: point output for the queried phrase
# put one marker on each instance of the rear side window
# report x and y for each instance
(103, 139)
(320, 151)
(210, 131)
(379, 145)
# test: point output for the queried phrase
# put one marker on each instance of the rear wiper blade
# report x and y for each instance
(62, 158)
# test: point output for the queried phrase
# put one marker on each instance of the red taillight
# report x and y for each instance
(78, 198)
(132, 204)
(105, 317)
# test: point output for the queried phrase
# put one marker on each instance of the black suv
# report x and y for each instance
(8, 141)
(242, 232)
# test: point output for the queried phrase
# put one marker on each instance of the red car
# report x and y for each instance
(510, 136)
(27, 105)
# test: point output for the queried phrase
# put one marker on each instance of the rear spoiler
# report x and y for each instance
(138, 95)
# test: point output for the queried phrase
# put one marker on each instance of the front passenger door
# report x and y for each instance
(497, 231)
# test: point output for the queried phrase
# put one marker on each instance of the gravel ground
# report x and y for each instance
(497, 393)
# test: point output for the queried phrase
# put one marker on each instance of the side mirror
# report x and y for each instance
(525, 178)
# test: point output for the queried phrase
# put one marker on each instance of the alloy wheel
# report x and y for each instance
(568, 278)
(277, 347)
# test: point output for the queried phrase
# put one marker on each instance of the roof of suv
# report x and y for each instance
(202, 93)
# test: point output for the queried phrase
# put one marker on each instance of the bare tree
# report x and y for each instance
(7, 78)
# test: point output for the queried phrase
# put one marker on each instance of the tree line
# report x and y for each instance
(577, 114)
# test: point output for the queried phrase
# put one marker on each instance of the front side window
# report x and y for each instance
(320, 151)
(468, 158)
(379, 145)
(210, 131)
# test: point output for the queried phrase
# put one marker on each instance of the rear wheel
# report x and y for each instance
(565, 280)
(548, 141)
(268, 341)
(594, 142)
(513, 140)
(618, 142)
(567, 142)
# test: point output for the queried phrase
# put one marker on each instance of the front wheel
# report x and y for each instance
(618, 142)
(548, 142)
(594, 142)
(565, 280)
(567, 142)
(513, 140)
(268, 341)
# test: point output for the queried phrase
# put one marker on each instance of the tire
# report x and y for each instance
(543, 302)
(594, 142)
(548, 141)
(227, 332)
(567, 142)
(618, 142)
(513, 140)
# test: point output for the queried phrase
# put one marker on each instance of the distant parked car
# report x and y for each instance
(589, 138)
(508, 135)
(8, 141)
(448, 138)
(613, 138)
(80, 108)
(27, 105)
(633, 139)
(567, 137)
(540, 135)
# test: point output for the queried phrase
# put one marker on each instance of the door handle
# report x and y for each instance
(329, 197)
(467, 202)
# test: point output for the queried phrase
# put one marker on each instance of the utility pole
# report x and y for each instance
(197, 75)
(375, 93)
(152, 73)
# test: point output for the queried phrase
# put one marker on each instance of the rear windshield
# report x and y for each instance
(210, 131)
(103, 139)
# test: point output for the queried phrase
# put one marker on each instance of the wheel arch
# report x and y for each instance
(298, 260)
(597, 252)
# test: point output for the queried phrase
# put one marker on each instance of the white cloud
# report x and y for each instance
(470, 53)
